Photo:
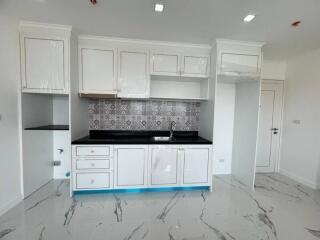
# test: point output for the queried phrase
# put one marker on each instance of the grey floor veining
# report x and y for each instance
(279, 208)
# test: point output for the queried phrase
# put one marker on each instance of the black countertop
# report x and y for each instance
(49, 127)
(140, 137)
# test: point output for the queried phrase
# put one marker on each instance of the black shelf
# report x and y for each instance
(50, 127)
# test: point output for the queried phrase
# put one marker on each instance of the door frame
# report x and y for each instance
(283, 83)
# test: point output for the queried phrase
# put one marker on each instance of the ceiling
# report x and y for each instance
(195, 21)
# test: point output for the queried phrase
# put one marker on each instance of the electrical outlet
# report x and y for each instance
(56, 163)
(221, 160)
(296, 121)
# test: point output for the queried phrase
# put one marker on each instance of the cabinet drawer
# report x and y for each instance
(93, 151)
(93, 180)
(93, 164)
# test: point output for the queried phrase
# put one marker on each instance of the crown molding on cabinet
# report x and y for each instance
(142, 41)
(241, 43)
(45, 28)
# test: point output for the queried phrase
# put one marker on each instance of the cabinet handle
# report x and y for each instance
(92, 164)
(92, 151)
(92, 181)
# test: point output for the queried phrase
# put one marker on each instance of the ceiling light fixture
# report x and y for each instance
(249, 18)
(158, 7)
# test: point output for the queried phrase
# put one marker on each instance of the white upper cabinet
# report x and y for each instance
(195, 66)
(239, 58)
(133, 73)
(185, 65)
(128, 68)
(241, 63)
(98, 70)
(45, 57)
(44, 64)
(167, 64)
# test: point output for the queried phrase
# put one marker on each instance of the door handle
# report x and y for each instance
(275, 130)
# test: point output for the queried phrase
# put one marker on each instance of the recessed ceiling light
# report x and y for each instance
(249, 18)
(158, 7)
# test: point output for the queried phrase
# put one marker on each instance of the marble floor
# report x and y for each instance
(278, 208)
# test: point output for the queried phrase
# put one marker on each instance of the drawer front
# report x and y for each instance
(93, 180)
(93, 164)
(94, 150)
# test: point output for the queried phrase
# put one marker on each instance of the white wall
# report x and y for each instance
(37, 110)
(301, 141)
(60, 110)
(274, 70)
(223, 128)
(207, 108)
(245, 131)
(10, 181)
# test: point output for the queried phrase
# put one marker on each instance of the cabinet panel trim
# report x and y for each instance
(144, 168)
(208, 164)
(24, 63)
(177, 169)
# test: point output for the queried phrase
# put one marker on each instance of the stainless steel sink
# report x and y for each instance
(161, 139)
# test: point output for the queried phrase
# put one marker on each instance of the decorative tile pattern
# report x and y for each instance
(143, 115)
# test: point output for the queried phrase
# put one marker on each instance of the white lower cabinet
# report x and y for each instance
(130, 166)
(93, 164)
(164, 165)
(197, 166)
(93, 180)
(140, 166)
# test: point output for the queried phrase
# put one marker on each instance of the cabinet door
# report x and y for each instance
(134, 77)
(130, 163)
(240, 63)
(196, 166)
(164, 166)
(195, 66)
(42, 65)
(98, 70)
(167, 64)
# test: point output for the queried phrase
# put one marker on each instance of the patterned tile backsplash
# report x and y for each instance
(116, 114)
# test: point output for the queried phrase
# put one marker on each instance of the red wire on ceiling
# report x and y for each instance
(94, 2)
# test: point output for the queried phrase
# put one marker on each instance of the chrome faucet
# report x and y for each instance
(171, 130)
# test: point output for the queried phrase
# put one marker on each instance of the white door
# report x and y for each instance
(98, 71)
(130, 165)
(167, 64)
(164, 165)
(133, 76)
(196, 165)
(43, 64)
(195, 66)
(269, 126)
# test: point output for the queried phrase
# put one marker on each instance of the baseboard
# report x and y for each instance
(301, 180)
(8, 206)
